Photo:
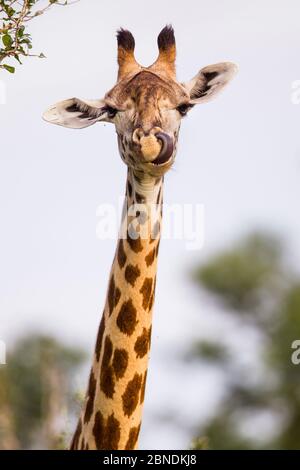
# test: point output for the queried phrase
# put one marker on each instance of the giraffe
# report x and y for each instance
(146, 106)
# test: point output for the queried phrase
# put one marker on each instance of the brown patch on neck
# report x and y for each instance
(150, 257)
(106, 433)
(129, 188)
(145, 290)
(120, 362)
(107, 381)
(142, 343)
(91, 397)
(139, 198)
(121, 254)
(132, 438)
(131, 274)
(126, 319)
(111, 294)
(108, 349)
(135, 244)
(114, 295)
(130, 397)
(100, 337)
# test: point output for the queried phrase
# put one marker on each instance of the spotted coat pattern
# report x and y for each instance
(111, 417)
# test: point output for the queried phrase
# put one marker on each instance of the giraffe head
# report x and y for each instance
(146, 105)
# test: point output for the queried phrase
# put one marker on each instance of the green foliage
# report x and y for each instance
(15, 41)
(253, 279)
(35, 383)
(241, 275)
(201, 443)
(9, 68)
(210, 351)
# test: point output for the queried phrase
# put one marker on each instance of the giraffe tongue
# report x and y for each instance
(166, 148)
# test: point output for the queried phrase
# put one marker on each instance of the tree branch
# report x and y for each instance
(15, 42)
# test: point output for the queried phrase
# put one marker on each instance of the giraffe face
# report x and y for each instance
(147, 111)
(146, 105)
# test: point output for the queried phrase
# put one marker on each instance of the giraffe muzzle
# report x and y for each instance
(157, 147)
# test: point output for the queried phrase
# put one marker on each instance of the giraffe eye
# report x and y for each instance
(111, 112)
(183, 109)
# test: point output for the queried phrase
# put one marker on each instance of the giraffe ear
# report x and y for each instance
(210, 81)
(77, 114)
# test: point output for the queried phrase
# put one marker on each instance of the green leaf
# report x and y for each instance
(17, 58)
(21, 31)
(7, 40)
(9, 68)
(10, 11)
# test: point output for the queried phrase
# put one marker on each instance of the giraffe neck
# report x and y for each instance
(111, 416)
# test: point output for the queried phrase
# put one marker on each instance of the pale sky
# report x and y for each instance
(239, 156)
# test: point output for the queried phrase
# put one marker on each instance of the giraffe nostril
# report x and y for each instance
(137, 135)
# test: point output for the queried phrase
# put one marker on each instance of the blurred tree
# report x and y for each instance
(15, 41)
(37, 393)
(255, 287)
